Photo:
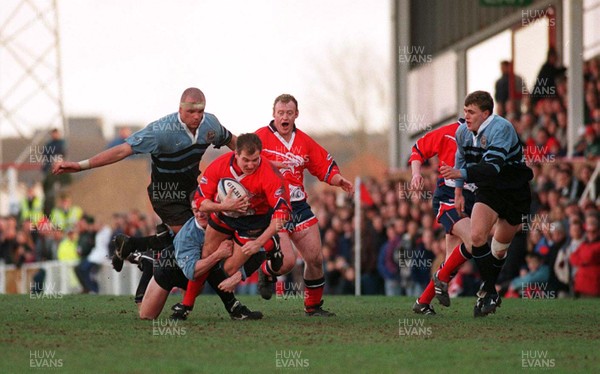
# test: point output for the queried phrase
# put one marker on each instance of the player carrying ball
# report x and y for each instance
(264, 212)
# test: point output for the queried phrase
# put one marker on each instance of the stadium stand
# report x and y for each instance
(399, 228)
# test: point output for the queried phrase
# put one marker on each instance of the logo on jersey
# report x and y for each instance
(293, 161)
(290, 160)
(296, 193)
(279, 192)
(210, 136)
(483, 141)
(203, 180)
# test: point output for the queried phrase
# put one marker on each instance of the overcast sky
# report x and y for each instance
(129, 61)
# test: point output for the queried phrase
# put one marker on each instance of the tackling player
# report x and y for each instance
(293, 151)
(176, 144)
(441, 142)
(167, 274)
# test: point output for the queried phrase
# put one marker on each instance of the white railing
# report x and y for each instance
(590, 190)
(61, 279)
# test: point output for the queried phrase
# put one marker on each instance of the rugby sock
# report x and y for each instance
(156, 242)
(428, 294)
(485, 262)
(269, 245)
(313, 292)
(142, 244)
(496, 269)
(147, 268)
(193, 289)
(164, 236)
(215, 277)
(266, 268)
(458, 257)
(253, 263)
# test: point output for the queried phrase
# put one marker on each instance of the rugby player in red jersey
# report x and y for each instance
(442, 142)
(293, 151)
(264, 212)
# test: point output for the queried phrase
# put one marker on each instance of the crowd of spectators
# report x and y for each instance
(557, 252)
(66, 234)
(539, 114)
(401, 242)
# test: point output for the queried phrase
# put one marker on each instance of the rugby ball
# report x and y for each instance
(226, 185)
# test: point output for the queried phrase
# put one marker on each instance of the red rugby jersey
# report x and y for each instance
(266, 186)
(300, 153)
(440, 142)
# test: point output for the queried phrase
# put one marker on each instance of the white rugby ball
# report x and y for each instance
(226, 185)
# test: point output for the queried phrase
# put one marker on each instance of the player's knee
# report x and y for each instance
(467, 241)
(144, 315)
(230, 267)
(499, 249)
(288, 264)
(315, 259)
(478, 238)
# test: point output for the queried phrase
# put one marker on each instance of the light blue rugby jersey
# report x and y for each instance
(175, 152)
(188, 247)
(493, 157)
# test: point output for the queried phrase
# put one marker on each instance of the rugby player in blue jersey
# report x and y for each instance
(176, 144)
(490, 155)
(168, 274)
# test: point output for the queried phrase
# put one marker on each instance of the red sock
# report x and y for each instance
(313, 296)
(313, 292)
(193, 289)
(428, 294)
(269, 245)
(266, 268)
(452, 263)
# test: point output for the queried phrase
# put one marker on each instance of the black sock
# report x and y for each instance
(140, 243)
(484, 260)
(496, 269)
(145, 243)
(159, 242)
(464, 252)
(215, 277)
(254, 263)
(147, 267)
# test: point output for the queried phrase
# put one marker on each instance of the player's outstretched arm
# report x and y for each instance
(232, 143)
(449, 172)
(107, 157)
(459, 200)
(416, 182)
(345, 184)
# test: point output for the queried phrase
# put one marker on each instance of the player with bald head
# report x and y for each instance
(176, 144)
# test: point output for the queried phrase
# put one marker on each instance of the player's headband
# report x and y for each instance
(198, 106)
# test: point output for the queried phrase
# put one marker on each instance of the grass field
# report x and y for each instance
(101, 334)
